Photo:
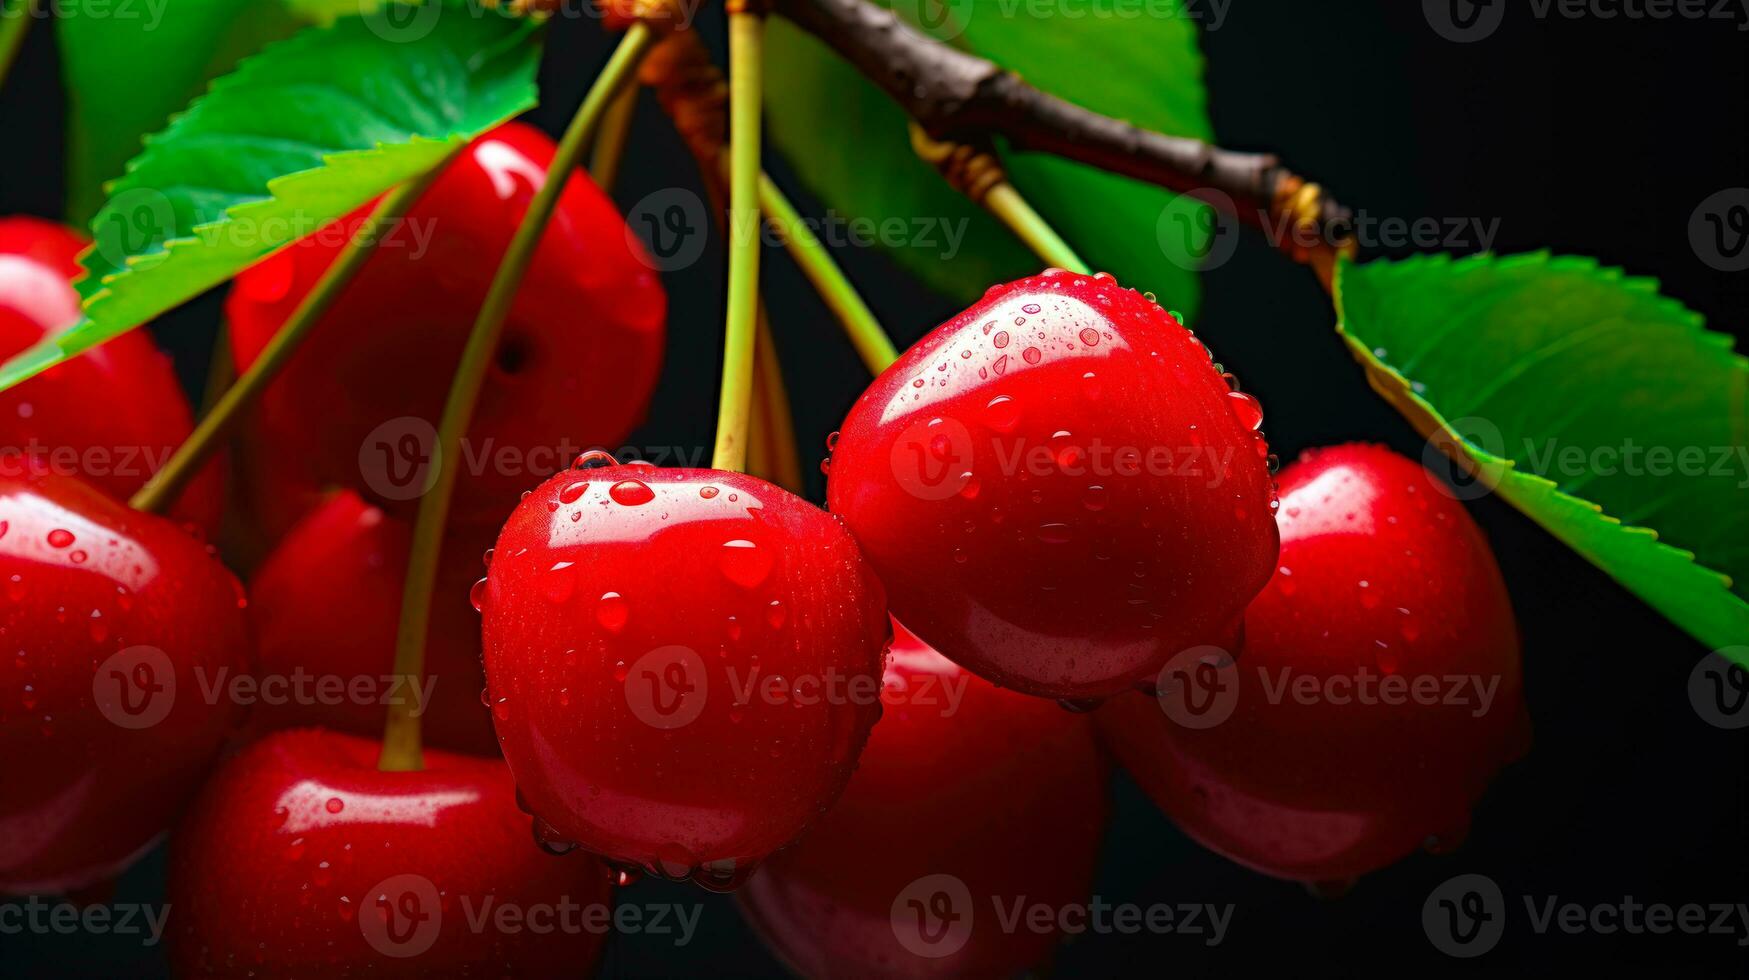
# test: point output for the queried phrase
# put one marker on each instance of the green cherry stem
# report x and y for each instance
(1003, 201)
(402, 746)
(746, 83)
(15, 18)
(866, 335)
(610, 146)
(217, 423)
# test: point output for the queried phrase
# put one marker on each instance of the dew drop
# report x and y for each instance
(612, 612)
(1003, 413)
(631, 493)
(1030, 308)
(1055, 533)
(1095, 498)
(970, 486)
(1090, 336)
(574, 492)
(1000, 340)
(1032, 355)
(334, 805)
(744, 563)
(776, 614)
(711, 492)
(1246, 409)
(477, 595)
(560, 581)
(60, 538)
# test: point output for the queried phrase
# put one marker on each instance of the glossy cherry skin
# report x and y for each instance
(576, 367)
(110, 416)
(673, 658)
(1382, 574)
(326, 604)
(1003, 792)
(116, 624)
(1058, 489)
(301, 859)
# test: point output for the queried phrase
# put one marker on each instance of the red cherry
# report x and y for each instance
(967, 796)
(1058, 488)
(579, 358)
(119, 623)
(301, 859)
(110, 416)
(1383, 577)
(326, 607)
(674, 660)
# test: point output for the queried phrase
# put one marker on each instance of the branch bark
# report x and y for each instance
(961, 97)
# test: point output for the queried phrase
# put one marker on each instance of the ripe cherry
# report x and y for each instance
(326, 607)
(675, 659)
(968, 797)
(301, 859)
(578, 361)
(1059, 489)
(110, 416)
(1376, 695)
(118, 625)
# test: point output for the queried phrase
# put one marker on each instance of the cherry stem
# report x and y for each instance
(221, 371)
(610, 145)
(1003, 201)
(217, 423)
(815, 260)
(402, 746)
(15, 18)
(746, 34)
(774, 428)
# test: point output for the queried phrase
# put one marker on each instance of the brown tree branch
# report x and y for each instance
(960, 97)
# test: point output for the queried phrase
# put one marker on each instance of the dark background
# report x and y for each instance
(1589, 136)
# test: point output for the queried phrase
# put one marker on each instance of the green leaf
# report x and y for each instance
(128, 64)
(299, 135)
(1601, 409)
(849, 144)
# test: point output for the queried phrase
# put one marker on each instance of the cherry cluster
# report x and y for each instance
(695, 674)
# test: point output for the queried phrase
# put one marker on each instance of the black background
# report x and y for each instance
(1592, 136)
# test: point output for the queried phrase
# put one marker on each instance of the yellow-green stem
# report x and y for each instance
(866, 335)
(228, 409)
(1005, 202)
(780, 431)
(746, 32)
(610, 145)
(15, 18)
(402, 747)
